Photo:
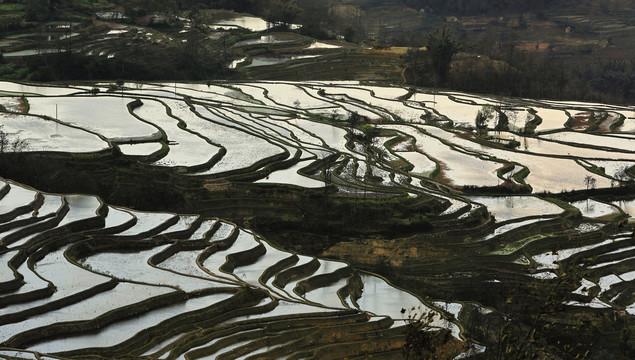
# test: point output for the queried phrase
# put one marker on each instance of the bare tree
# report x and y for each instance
(442, 46)
(622, 176)
(590, 182)
(4, 141)
(19, 145)
(16, 146)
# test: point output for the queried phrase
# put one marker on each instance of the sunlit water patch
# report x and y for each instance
(264, 39)
(144, 149)
(292, 176)
(46, 135)
(270, 60)
(595, 209)
(109, 116)
(248, 22)
(514, 207)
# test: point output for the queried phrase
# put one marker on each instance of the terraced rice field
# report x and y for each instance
(208, 129)
(126, 275)
(84, 278)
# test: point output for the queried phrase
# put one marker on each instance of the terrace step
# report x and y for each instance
(49, 206)
(276, 268)
(220, 231)
(322, 280)
(19, 201)
(17, 316)
(218, 253)
(243, 258)
(28, 286)
(20, 236)
(295, 273)
(4, 189)
(148, 224)
(116, 221)
(62, 329)
(260, 335)
(126, 249)
(346, 336)
(204, 230)
(185, 227)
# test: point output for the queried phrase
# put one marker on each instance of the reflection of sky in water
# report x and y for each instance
(80, 207)
(47, 135)
(327, 295)
(459, 167)
(542, 177)
(243, 148)
(121, 295)
(551, 118)
(251, 273)
(146, 221)
(264, 39)
(594, 209)
(247, 22)
(186, 148)
(549, 259)
(31, 52)
(6, 273)
(291, 176)
(17, 196)
(455, 111)
(235, 63)
(590, 139)
(381, 298)
(422, 164)
(143, 149)
(116, 217)
(120, 331)
(106, 115)
(134, 267)
(333, 136)
(512, 207)
(245, 241)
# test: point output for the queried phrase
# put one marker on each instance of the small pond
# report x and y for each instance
(291, 176)
(595, 209)
(269, 60)
(143, 149)
(264, 39)
(247, 22)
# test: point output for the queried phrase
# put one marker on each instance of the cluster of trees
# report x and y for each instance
(281, 10)
(189, 61)
(510, 72)
(432, 65)
(236, 5)
(545, 76)
(42, 10)
(469, 7)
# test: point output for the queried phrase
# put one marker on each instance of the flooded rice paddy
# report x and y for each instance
(77, 272)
